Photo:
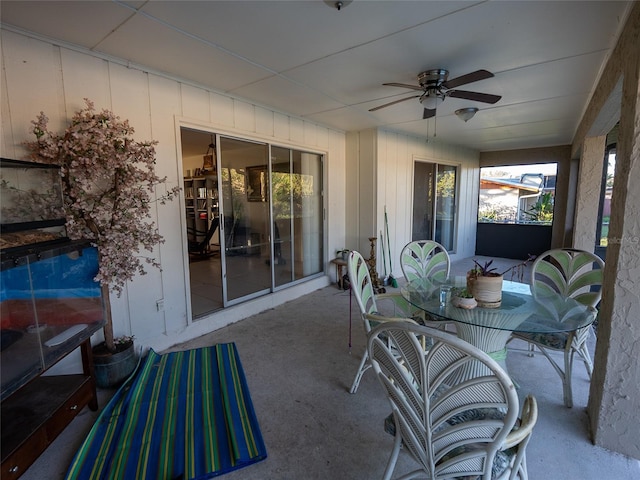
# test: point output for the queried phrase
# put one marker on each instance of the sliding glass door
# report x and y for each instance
(244, 175)
(434, 203)
(254, 218)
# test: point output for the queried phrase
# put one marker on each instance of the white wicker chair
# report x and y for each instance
(452, 429)
(425, 259)
(568, 273)
(367, 299)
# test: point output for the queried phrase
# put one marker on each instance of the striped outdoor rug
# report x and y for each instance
(184, 415)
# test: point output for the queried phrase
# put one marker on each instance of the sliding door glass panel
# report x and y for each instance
(423, 201)
(445, 205)
(282, 195)
(201, 220)
(297, 212)
(245, 205)
(307, 192)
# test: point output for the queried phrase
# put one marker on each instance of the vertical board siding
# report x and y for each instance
(335, 191)
(195, 103)
(310, 134)
(130, 99)
(244, 116)
(405, 194)
(296, 130)
(221, 110)
(281, 127)
(396, 156)
(164, 98)
(322, 140)
(264, 122)
(31, 68)
(89, 80)
(38, 76)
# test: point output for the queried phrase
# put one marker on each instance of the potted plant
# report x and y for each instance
(462, 298)
(113, 367)
(485, 283)
(108, 180)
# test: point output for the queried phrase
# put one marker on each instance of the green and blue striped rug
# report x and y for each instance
(184, 415)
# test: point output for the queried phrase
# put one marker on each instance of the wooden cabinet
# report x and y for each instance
(34, 415)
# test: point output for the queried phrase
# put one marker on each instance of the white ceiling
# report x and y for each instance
(327, 65)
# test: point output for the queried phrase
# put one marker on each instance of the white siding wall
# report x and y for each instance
(39, 76)
(396, 156)
(380, 173)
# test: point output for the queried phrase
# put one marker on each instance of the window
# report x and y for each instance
(608, 174)
(517, 194)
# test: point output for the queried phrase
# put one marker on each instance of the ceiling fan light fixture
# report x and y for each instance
(431, 99)
(466, 114)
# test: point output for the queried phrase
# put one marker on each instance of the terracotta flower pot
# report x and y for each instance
(486, 290)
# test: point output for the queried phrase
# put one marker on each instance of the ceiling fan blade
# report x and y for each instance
(403, 85)
(475, 96)
(393, 103)
(428, 113)
(468, 78)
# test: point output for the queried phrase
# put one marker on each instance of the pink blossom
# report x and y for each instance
(108, 181)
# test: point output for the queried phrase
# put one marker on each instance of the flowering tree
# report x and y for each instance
(108, 180)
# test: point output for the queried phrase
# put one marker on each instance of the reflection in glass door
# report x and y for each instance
(445, 205)
(307, 213)
(246, 219)
(297, 214)
(282, 189)
(434, 206)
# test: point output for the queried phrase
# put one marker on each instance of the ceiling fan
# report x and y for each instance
(435, 88)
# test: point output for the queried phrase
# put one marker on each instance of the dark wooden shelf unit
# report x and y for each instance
(37, 413)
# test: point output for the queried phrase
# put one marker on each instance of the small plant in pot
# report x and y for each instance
(463, 298)
(486, 283)
(108, 180)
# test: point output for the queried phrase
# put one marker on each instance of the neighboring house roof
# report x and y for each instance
(507, 182)
(530, 182)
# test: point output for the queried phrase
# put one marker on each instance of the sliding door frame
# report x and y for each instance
(269, 142)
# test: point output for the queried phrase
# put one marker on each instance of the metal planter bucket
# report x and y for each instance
(112, 369)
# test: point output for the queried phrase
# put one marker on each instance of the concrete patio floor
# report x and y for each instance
(299, 368)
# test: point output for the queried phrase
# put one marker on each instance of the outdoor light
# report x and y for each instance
(466, 114)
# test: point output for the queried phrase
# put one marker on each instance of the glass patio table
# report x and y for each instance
(489, 329)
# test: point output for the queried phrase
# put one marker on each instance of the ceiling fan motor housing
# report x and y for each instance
(433, 79)
(432, 82)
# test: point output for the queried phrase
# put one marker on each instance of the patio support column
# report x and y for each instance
(614, 396)
(588, 195)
